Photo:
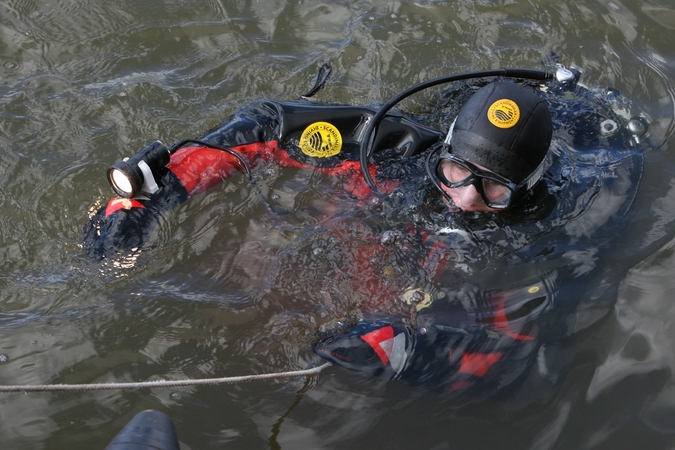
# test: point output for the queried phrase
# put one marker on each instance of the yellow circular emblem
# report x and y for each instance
(533, 289)
(321, 140)
(503, 113)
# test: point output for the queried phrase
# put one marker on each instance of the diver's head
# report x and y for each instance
(495, 150)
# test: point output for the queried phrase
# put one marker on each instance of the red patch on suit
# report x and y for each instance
(116, 204)
(375, 338)
(502, 322)
(477, 363)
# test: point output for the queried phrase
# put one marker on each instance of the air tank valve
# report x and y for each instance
(568, 77)
(564, 75)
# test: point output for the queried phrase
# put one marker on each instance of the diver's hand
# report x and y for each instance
(438, 357)
(121, 226)
(125, 225)
(378, 348)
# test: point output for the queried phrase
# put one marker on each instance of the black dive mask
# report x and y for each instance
(496, 191)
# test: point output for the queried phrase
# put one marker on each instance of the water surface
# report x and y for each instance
(84, 83)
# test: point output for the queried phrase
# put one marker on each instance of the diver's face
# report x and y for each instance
(467, 198)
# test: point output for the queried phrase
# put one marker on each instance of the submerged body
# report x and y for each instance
(441, 297)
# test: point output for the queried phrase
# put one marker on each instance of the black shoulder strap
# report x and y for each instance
(322, 78)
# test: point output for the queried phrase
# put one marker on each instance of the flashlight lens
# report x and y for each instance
(121, 182)
(128, 177)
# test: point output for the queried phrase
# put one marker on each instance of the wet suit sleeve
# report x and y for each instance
(258, 132)
(453, 350)
(465, 341)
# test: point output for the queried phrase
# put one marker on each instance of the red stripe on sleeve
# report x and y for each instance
(117, 203)
(200, 168)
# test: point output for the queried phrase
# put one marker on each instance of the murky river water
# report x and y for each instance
(84, 83)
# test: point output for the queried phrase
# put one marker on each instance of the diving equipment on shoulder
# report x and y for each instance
(638, 126)
(567, 77)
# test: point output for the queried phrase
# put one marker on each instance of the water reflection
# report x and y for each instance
(85, 83)
(642, 341)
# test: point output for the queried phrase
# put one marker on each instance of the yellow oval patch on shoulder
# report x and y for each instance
(321, 140)
(504, 113)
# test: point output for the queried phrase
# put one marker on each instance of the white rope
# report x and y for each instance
(161, 383)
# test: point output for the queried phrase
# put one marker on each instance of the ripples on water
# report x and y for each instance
(84, 83)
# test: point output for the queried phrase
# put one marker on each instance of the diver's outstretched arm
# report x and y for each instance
(436, 357)
(126, 224)
(455, 358)
(252, 133)
(472, 343)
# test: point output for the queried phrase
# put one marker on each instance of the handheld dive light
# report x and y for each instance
(137, 174)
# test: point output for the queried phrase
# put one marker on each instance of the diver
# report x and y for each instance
(507, 256)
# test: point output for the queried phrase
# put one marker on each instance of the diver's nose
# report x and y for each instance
(469, 196)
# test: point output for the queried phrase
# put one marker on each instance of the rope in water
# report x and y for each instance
(161, 383)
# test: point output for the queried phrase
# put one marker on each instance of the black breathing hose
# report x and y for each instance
(242, 161)
(180, 144)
